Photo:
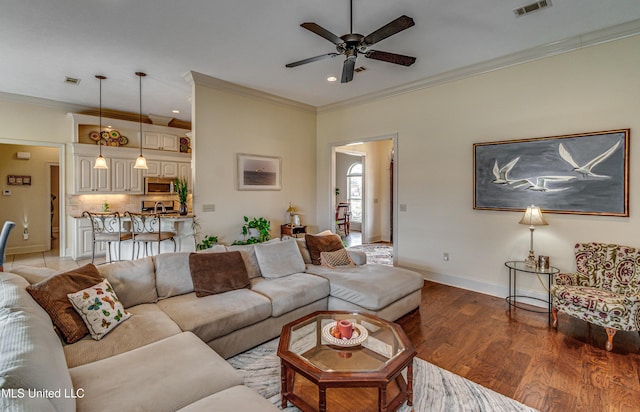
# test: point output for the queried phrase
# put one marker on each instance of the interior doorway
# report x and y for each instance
(373, 161)
(54, 218)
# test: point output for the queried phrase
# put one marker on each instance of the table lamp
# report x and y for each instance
(292, 211)
(532, 217)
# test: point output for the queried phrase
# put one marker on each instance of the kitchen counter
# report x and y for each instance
(182, 226)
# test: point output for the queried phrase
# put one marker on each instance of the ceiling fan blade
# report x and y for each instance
(399, 24)
(312, 59)
(390, 57)
(322, 32)
(347, 69)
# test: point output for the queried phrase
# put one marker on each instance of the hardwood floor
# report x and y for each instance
(472, 335)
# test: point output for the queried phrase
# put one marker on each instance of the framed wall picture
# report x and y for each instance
(259, 172)
(584, 173)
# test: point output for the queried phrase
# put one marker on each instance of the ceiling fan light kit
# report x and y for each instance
(352, 44)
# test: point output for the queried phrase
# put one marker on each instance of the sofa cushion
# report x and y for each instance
(32, 355)
(99, 308)
(250, 261)
(237, 399)
(279, 258)
(217, 315)
(33, 274)
(322, 243)
(133, 280)
(162, 376)
(370, 286)
(147, 324)
(51, 294)
(339, 257)
(214, 273)
(291, 292)
(173, 277)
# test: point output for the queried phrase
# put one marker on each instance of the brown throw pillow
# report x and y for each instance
(214, 273)
(322, 243)
(52, 292)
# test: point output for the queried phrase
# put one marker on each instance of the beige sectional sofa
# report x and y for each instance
(160, 359)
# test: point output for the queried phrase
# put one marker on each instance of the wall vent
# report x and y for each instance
(530, 8)
(72, 80)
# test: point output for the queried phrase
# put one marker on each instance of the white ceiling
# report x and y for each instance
(248, 42)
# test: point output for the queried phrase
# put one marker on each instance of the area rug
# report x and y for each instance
(381, 252)
(435, 389)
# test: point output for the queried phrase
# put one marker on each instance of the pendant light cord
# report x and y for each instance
(140, 76)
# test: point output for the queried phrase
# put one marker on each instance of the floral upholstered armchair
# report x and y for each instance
(604, 291)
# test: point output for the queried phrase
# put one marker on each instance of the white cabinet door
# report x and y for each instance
(161, 141)
(169, 169)
(90, 180)
(184, 173)
(83, 244)
(124, 178)
(158, 168)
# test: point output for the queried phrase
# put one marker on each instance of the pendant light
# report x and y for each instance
(141, 162)
(101, 162)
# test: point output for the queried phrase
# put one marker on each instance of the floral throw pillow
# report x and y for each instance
(99, 308)
(337, 258)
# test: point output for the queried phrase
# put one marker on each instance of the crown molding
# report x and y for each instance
(570, 44)
(200, 79)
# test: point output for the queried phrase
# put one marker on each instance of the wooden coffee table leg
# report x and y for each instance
(284, 390)
(410, 383)
(322, 398)
(382, 398)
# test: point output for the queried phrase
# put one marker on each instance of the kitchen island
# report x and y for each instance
(182, 226)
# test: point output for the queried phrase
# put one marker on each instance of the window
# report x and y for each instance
(354, 191)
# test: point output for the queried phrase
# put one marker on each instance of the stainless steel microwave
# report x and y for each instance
(158, 185)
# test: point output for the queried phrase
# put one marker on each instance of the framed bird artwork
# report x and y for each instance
(586, 173)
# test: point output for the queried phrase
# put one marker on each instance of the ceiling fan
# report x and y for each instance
(353, 44)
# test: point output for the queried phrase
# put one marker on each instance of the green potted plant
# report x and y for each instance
(257, 229)
(180, 186)
(207, 242)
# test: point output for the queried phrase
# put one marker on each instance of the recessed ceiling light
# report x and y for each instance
(332, 78)
(72, 80)
(175, 111)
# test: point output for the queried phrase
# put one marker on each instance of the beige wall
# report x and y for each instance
(592, 89)
(227, 123)
(28, 205)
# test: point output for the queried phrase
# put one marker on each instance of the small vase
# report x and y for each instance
(183, 210)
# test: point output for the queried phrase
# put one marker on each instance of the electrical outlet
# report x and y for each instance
(209, 208)
(445, 256)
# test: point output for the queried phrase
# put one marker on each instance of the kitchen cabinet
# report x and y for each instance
(90, 180)
(83, 244)
(161, 141)
(157, 168)
(124, 178)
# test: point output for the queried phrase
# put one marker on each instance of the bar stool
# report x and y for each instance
(106, 228)
(147, 228)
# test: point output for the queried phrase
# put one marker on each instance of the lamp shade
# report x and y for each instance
(101, 163)
(533, 217)
(141, 163)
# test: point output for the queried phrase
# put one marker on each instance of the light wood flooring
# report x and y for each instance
(472, 335)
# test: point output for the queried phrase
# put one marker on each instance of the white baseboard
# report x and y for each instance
(492, 289)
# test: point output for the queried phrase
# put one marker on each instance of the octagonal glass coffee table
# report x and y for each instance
(318, 375)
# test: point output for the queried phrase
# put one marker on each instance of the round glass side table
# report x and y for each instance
(516, 266)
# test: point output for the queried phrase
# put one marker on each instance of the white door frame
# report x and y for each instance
(61, 169)
(332, 181)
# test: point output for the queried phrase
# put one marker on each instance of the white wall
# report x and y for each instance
(229, 122)
(592, 89)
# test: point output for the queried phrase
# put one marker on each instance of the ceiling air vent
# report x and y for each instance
(72, 80)
(530, 8)
(359, 69)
